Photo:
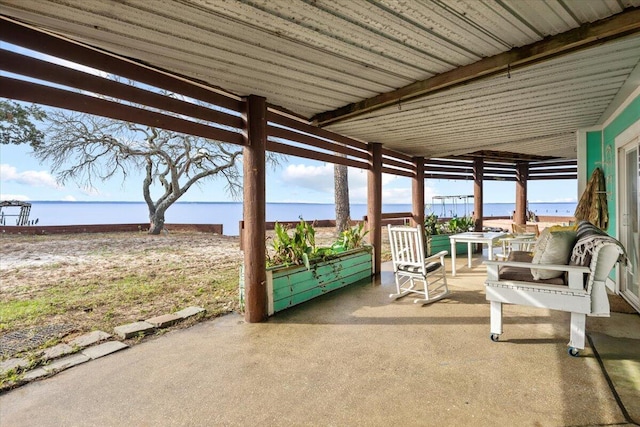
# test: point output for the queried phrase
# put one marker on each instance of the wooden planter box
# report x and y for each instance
(289, 286)
(441, 242)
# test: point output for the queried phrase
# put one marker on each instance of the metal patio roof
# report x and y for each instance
(320, 58)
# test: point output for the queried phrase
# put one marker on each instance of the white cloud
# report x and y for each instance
(69, 199)
(89, 191)
(318, 178)
(557, 200)
(9, 173)
(20, 197)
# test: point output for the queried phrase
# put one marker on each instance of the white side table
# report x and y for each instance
(489, 239)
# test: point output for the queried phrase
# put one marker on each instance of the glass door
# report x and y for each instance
(629, 163)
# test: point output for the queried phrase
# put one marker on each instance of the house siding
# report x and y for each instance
(619, 124)
(594, 152)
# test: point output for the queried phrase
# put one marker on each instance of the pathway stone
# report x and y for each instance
(131, 330)
(189, 312)
(57, 351)
(89, 339)
(13, 363)
(164, 321)
(66, 362)
(104, 349)
(35, 374)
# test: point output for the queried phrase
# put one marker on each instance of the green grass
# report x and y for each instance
(21, 311)
(122, 298)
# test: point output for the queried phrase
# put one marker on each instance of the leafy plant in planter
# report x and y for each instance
(351, 238)
(438, 233)
(456, 224)
(298, 270)
(300, 247)
(295, 249)
(460, 224)
(431, 224)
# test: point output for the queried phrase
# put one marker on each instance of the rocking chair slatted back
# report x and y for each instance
(410, 267)
(407, 246)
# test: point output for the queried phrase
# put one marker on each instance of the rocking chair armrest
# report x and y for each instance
(434, 257)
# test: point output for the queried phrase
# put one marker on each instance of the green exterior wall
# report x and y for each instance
(624, 120)
(594, 152)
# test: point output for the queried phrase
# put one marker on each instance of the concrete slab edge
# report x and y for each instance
(83, 348)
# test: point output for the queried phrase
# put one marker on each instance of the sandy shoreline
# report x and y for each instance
(23, 251)
(20, 251)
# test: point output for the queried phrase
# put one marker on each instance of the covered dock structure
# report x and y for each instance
(503, 90)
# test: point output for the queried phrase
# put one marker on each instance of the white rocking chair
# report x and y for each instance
(410, 265)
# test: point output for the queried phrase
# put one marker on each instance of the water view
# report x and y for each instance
(229, 214)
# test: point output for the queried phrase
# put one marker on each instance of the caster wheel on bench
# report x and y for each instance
(573, 352)
(495, 337)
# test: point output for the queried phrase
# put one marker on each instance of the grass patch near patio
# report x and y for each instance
(99, 281)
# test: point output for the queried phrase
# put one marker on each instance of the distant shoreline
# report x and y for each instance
(280, 203)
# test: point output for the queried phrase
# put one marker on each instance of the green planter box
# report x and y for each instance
(289, 286)
(441, 242)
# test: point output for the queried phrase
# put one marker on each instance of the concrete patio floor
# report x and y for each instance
(350, 358)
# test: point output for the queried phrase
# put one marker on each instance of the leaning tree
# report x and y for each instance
(83, 148)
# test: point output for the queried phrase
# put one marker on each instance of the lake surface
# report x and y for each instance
(229, 213)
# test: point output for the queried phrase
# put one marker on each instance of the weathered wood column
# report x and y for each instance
(417, 192)
(374, 203)
(478, 179)
(254, 209)
(522, 175)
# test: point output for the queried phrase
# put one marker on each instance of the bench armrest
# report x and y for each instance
(575, 272)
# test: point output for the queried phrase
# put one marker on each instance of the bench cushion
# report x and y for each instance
(553, 247)
(524, 274)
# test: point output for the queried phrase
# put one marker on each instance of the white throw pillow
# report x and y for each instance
(554, 249)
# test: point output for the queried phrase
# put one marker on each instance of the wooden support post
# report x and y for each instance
(374, 203)
(254, 210)
(417, 192)
(478, 178)
(522, 175)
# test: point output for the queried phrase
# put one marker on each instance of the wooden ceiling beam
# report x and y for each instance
(27, 36)
(587, 35)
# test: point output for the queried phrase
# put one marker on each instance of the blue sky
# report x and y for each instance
(298, 180)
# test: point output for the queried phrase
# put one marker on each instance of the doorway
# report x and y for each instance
(629, 220)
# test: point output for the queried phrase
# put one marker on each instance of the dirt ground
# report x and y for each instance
(103, 250)
(105, 279)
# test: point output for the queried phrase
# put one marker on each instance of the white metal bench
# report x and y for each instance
(583, 294)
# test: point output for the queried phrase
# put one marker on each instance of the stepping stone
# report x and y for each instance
(131, 330)
(189, 312)
(104, 349)
(13, 363)
(35, 374)
(66, 362)
(57, 351)
(164, 321)
(89, 339)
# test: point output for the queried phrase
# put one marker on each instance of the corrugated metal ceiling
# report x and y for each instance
(315, 56)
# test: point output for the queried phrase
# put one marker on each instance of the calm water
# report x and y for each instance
(229, 214)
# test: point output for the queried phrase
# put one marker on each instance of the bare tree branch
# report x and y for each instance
(83, 148)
